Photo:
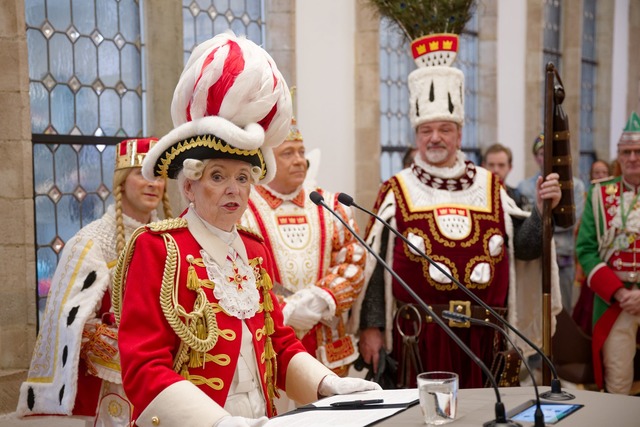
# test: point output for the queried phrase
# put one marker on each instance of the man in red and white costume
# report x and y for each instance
(202, 338)
(319, 264)
(608, 244)
(459, 215)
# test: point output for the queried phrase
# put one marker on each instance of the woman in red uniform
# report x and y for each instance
(202, 338)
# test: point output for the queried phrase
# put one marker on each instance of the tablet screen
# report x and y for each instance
(553, 412)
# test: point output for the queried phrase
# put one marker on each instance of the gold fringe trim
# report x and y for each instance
(271, 365)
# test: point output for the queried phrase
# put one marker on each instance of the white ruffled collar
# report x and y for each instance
(455, 171)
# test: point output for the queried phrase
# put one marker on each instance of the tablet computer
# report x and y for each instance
(552, 411)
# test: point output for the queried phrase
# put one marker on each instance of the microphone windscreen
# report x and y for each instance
(345, 199)
(316, 197)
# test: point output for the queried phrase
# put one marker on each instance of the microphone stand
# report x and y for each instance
(501, 418)
(457, 317)
(556, 392)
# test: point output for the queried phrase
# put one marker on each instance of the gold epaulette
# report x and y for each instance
(167, 224)
(250, 232)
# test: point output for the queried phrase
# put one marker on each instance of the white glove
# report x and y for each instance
(306, 307)
(230, 421)
(333, 384)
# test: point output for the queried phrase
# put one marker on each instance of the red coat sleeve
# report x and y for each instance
(146, 340)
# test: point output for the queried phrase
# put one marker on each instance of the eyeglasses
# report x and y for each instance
(628, 152)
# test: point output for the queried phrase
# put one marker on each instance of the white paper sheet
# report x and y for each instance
(347, 417)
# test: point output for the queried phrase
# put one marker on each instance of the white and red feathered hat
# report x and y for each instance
(230, 102)
(436, 89)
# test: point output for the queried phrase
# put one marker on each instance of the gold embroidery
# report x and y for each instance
(260, 332)
(218, 359)
(114, 408)
(209, 141)
(167, 225)
(214, 383)
(228, 334)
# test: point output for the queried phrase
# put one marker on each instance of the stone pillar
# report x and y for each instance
(571, 72)
(534, 81)
(633, 101)
(367, 108)
(280, 42)
(604, 53)
(487, 72)
(165, 61)
(17, 247)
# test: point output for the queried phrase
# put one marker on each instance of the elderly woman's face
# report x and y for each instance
(220, 196)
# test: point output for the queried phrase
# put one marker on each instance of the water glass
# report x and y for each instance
(438, 396)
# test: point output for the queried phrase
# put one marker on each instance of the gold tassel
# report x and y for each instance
(193, 283)
(267, 284)
(269, 353)
(196, 358)
(268, 323)
(268, 302)
(184, 371)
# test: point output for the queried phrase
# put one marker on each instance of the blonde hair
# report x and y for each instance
(119, 178)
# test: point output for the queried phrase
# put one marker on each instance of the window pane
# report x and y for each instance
(34, 12)
(59, 54)
(203, 19)
(46, 227)
(42, 169)
(68, 216)
(85, 60)
(62, 109)
(107, 15)
(90, 177)
(59, 14)
(37, 54)
(39, 99)
(84, 18)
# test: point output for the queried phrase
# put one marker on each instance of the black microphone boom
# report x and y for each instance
(501, 418)
(556, 392)
(458, 317)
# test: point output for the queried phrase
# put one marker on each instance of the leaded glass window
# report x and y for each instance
(396, 62)
(551, 33)
(588, 89)
(203, 19)
(86, 89)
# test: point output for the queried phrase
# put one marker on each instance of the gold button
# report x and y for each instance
(155, 421)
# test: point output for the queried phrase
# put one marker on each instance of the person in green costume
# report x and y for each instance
(608, 248)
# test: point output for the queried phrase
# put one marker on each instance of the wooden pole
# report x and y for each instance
(547, 230)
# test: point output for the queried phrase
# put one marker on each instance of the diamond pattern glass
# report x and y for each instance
(203, 19)
(588, 82)
(80, 89)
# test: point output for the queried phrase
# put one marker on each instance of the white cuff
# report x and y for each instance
(303, 377)
(181, 404)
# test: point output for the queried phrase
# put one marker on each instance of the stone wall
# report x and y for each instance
(17, 250)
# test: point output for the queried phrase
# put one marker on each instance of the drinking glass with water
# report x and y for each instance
(438, 396)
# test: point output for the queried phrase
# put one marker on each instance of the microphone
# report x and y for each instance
(501, 417)
(458, 317)
(556, 392)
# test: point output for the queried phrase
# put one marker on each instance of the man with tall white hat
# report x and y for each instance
(460, 215)
(607, 247)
